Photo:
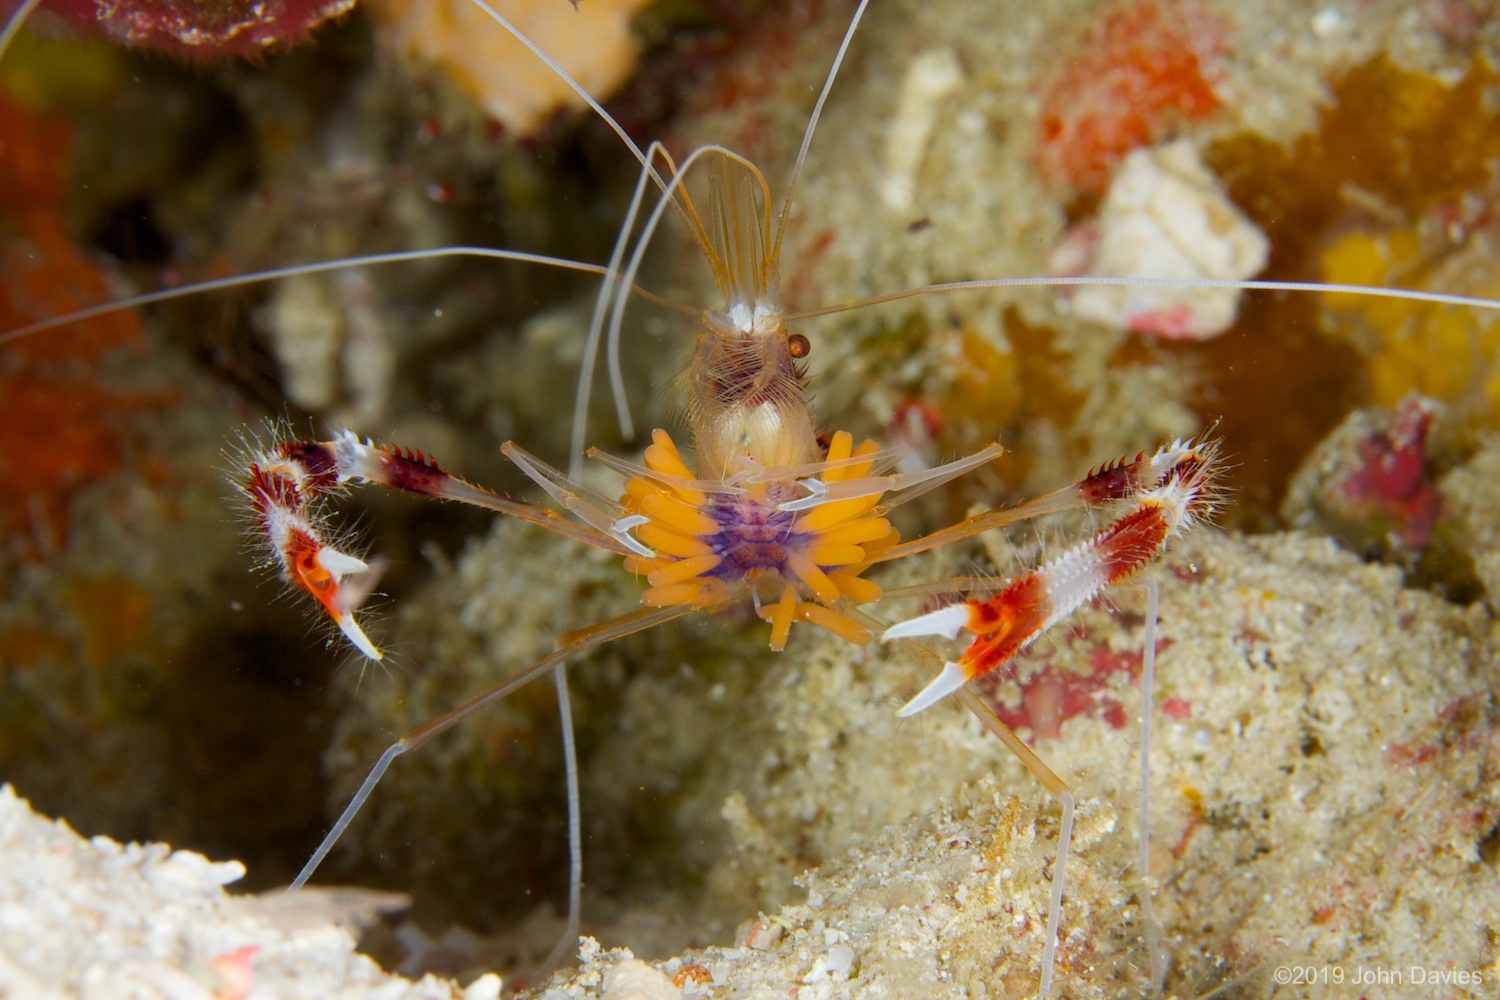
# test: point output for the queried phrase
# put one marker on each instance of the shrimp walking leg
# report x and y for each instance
(579, 643)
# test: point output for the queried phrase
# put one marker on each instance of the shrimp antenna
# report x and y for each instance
(573, 84)
(13, 25)
(647, 159)
(1148, 708)
(675, 195)
(1372, 291)
(296, 270)
(671, 192)
(569, 939)
(612, 303)
(609, 272)
(812, 125)
(605, 304)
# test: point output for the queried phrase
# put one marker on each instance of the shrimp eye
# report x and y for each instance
(798, 345)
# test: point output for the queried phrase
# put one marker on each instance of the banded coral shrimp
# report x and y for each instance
(791, 815)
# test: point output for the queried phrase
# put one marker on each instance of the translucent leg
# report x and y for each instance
(1148, 680)
(576, 643)
(1049, 780)
(1064, 794)
(569, 939)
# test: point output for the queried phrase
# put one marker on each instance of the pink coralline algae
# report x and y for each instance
(194, 30)
(1392, 478)
(1371, 484)
(1051, 695)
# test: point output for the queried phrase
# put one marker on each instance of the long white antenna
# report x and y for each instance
(812, 125)
(591, 348)
(617, 315)
(14, 24)
(569, 939)
(948, 287)
(573, 84)
(1148, 708)
(602, 304)
(240, 281)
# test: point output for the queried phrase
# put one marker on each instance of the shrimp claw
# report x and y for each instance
(1172, 491)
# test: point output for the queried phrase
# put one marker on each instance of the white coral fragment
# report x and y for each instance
(931, 76)
(98, 919)
(306, 326)
(633, 979)
(833, 966)
(1165, 216)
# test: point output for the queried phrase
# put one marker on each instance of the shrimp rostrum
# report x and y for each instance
(762, 510)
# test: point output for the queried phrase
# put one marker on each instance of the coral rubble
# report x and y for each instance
(93, 918)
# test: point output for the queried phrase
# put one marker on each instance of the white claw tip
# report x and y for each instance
(356, 635)
(817, 495)
(950, 680)
(946, 622)
(340, 564)
(621, 530)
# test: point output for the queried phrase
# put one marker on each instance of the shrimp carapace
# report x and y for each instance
(746, 388)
